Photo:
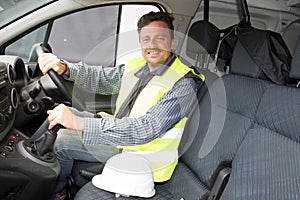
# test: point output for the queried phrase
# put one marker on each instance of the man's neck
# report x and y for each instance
(153, 67)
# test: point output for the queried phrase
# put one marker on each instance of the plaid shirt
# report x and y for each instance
(171, 108)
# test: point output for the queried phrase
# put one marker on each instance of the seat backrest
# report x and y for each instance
(242, 63)
(290, 32)
(248, 124)
(203, 37)
(295, 67)
(225, 115)
(202, 42)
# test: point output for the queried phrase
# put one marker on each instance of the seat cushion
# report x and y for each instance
(183, 184)
(266, 166)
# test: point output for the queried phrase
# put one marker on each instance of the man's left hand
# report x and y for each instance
(61, 114)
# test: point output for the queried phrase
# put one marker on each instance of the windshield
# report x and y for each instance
(11, 10)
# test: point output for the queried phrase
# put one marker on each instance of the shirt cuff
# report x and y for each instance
(91, 131)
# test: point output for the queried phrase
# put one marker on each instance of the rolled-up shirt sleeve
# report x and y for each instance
(171, 108)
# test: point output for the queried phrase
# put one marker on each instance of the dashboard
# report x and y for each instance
(9, 98)
(21, 171)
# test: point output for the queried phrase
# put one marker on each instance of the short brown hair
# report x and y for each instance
(157, 16)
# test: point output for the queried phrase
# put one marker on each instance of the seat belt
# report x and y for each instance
(219, 184)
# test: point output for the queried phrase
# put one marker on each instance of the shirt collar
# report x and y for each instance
(158, 71)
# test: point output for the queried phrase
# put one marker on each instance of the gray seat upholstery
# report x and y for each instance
(267, 163)
(295, 72)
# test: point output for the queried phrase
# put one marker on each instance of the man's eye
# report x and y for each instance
(160, 38)
(145, 40)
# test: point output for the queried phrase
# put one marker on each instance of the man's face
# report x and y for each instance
(156, 43)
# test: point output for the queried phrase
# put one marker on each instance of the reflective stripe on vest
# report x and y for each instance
(162, 152)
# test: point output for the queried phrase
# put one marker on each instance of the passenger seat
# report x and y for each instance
(267, 163)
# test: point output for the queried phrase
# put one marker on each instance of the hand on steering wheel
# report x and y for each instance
(56, 78)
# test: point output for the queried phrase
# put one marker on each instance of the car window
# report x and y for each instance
(89, 35)
(24, 46)
(128, 45)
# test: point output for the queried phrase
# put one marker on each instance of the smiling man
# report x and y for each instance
(157, 43)
(155, 94)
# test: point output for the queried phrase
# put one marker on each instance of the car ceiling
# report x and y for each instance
(189, 7)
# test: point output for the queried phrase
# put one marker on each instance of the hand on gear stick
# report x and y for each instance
(44, 144)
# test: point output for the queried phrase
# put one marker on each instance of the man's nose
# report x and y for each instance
(152, 43)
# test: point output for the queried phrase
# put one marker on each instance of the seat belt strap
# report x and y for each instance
(219, 184)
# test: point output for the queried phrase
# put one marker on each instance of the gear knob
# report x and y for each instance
(44, 144)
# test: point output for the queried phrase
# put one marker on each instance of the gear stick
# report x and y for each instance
(44, 144)
(40, 148)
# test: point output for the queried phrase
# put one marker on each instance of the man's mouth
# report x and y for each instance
(153, 52)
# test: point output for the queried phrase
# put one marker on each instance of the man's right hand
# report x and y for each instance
(49, 61)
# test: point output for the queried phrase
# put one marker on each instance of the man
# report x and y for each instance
(155, 94)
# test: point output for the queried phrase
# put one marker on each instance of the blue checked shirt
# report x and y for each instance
(171, 108)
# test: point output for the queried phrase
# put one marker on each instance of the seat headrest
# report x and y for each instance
(243, 64)
(295, 66)
(203, 37)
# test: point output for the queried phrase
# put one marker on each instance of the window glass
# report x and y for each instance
(88, 35)
(23, 46)
(128, 45)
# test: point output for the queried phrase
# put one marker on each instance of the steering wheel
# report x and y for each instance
(59, 82)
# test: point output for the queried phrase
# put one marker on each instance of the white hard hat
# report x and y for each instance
(126, 174)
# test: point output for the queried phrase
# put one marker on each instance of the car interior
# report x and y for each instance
(242, 138)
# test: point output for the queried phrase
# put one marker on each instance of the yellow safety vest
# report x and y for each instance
(162, 152)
